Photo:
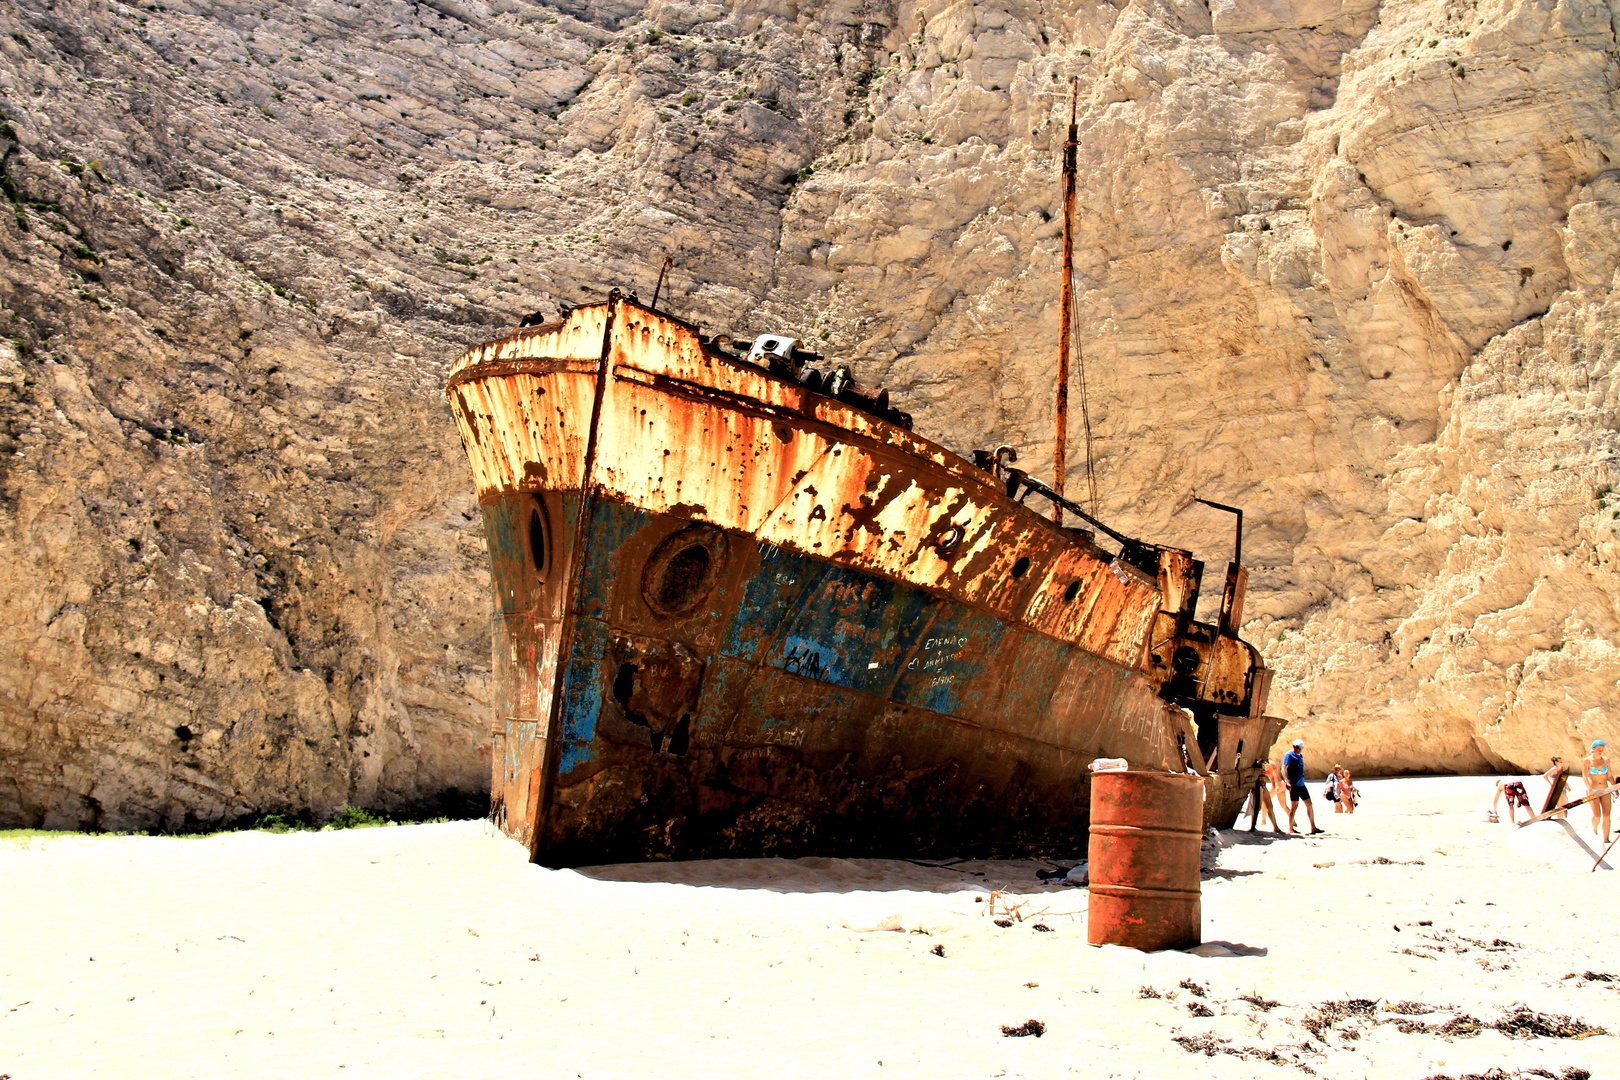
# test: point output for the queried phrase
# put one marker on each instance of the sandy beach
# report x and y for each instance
(1406, 942)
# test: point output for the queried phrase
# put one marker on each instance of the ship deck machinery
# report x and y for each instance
(1204, 668)
(741, 609)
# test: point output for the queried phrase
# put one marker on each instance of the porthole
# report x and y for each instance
(1021, 567)
(538, 538)
(681, 583)
(1072, 591)
(683, 569)
(1185, 660)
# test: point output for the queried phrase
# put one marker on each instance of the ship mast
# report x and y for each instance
(1066, 322)
(1066, 301)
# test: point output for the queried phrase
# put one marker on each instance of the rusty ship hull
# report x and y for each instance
(737, 617)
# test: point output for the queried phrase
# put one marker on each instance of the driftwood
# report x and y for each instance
(1567, 806)
(1019, 909)
(1605, 854)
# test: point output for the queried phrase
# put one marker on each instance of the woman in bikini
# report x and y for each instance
(1595, 771)
(1347, 792)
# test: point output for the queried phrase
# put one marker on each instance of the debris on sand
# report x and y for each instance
(1522, 1022)
(1320, 1022)
(1028, 1027)
(1518, 1022)
(1571, 1072)
(1209, 1046)
(1384, 860)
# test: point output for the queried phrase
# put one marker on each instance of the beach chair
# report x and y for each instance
(1556, 793)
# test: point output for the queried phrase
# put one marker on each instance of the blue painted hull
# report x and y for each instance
(810, 708)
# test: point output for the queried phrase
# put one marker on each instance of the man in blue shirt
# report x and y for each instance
(1294, 777)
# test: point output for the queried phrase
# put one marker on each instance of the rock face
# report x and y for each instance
(1348, 265)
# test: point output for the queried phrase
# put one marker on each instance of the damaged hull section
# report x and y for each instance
(737, 617)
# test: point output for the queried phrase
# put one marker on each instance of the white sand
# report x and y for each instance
(436, 951)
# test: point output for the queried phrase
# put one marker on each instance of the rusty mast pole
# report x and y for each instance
(661, 272)
(1066, 300)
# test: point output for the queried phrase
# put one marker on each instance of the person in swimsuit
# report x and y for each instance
(1595, 771)
(1264, 785)
(1516, 797)
(1347, 792)
(1332, 791)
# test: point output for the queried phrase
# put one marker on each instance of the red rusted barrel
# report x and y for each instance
(1146, 834)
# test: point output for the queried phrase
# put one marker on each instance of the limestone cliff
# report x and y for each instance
(1349, 265)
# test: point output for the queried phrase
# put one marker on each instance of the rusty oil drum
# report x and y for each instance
(1146, 836)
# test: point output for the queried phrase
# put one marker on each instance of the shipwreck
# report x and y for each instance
(741, 609)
